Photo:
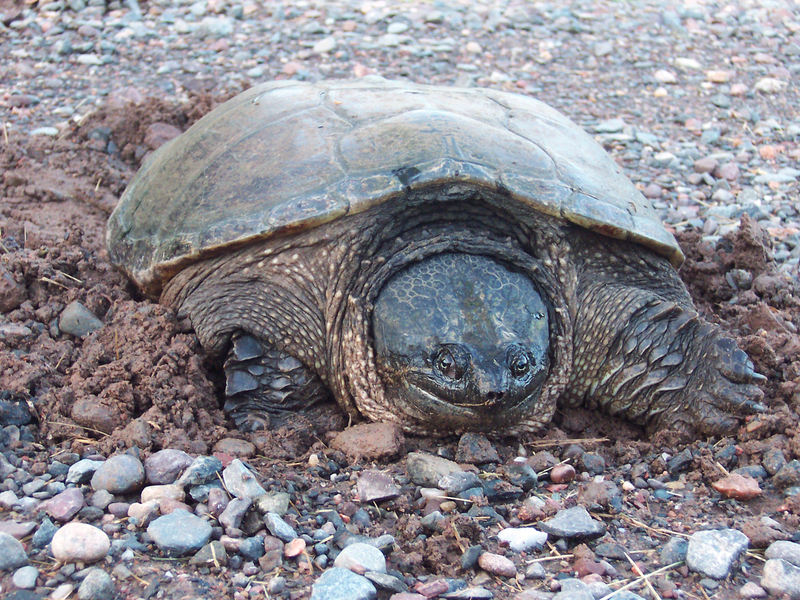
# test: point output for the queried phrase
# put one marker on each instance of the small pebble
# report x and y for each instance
(374, 486)
(714, 552)
(25, 577)
(97, 585)
(523, 539)
(361, 558)
(279, 528)
(342, 584)
(120, 474)
(562, 473)
(738, 487)
(179, 533)
(240, 481)
(497, 565)
(80, 542)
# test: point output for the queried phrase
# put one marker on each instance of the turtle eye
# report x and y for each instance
(519, 362)
(447, 363)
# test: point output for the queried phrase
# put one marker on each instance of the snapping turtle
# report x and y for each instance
(448, 259)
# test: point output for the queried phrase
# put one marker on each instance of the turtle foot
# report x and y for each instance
(720, 391)
(262, 382)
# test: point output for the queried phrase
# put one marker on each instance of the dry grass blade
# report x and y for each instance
(97, 431)
(549, 558)
(538, 444)
(638, 571)
(53, 281)
(654, 530)
(643, 578)
(68, 276)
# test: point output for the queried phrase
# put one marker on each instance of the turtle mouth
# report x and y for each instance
(490, 413)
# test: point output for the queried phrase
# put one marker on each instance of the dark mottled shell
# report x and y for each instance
(287, 156)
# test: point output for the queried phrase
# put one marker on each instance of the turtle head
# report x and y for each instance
(461, 343)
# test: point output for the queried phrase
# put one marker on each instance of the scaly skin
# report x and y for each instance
(642, 351)
(624, 335)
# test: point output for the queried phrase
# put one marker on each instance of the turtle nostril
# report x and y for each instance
(493, 397)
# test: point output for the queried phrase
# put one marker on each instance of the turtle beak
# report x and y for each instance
(492, 386)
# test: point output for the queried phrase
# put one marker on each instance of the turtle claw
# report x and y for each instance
(729, 392)
(262, 383)
(246, 420)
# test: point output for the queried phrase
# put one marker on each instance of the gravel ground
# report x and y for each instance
(130, 484)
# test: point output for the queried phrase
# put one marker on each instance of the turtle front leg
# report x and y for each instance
(656, 362)
(262, 381)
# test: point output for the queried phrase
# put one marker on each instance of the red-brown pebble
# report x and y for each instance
(497, 565)
(431, 589)
(294, 548)
(738, 487)
(562, 474)
(585, 566)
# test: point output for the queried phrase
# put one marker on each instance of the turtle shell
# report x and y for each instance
(285, 156)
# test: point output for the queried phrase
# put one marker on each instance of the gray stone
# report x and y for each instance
(573, 589)
(593, 463)
(101, 499)
(44, 535)
(610, 126)
(279, 528)
(97, 585)
(397, 27)
(573, 523)
(470, 593)
(25, 578)
(361, 557)
(457, 482)
(8, 500)
(202, 469)
(252, 548)
(713, 553)
(164, 466)
(383, 542)
(120, 474)
(342, 584)
(781, 577)
(234, 513)
(598, 589)
(78, 320)
(325, 45)
(788, 551)
(240, 481)
(81, 472)
(374, 486)
(476, 449)
(788, 475)
(428, 470)
(386, 582)
(212, 554)
(535, 571)
(214, 27)
(273, 502)
(603, 48)
(179, 533)
(674, 551)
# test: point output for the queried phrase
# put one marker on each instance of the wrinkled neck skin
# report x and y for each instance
(460, 288)
(313, 295)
